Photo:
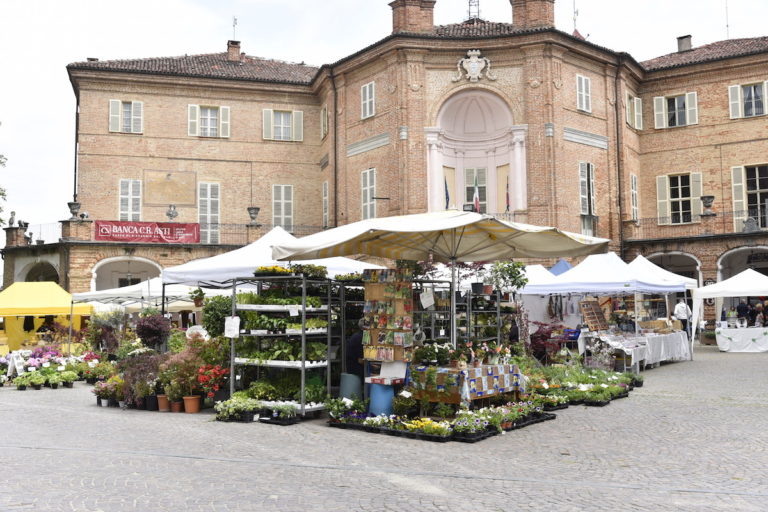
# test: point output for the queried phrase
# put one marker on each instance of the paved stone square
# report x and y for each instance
(693, 438)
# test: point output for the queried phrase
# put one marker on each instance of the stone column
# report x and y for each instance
(435, 179)
(517, 174)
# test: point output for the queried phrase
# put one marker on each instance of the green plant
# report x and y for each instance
(506, 275)
(215, 310)
(310, 271)
(153, 330)
(174, 391)
(235, 406)
(197, 294)
(444, 410)
(262, 390)
(403, 405)
(22, 380)
(54, 378)
(177, 341)
(284, 411)
(36, 379)
(355, 276)
(68, 376)
(313, 392)
(337, 407)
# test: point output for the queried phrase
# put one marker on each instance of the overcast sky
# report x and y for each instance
(38, 38)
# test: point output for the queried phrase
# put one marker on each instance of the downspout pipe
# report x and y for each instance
(619, 156)
(335, 151)
(77, 132)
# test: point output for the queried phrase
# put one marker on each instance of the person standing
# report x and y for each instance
(683, 313)
(759, 315)
(742, 310)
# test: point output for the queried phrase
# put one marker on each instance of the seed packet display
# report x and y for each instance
(408, 306)
(407, 322)
(366, 337)
(367, 322)
(407, 339)
(383, 307)
(390, 339)
(390, 308)
(382, 338)
(381, 322)
(396, 322)
(399, 338)
(369, 307)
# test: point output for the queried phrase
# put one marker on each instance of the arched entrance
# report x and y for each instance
(476, 140)
(42, 271)
(737, 260)
(122, 271)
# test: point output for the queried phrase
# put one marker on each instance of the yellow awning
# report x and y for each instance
(39, 299)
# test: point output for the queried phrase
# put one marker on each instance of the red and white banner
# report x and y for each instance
(148, 232)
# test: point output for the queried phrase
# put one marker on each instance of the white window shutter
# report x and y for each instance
(579, 92)
(193, 114)
(628, 109)
(114, 115)
(765, 97)
(587, 94)
(268, 115)
(137, 111)
(372, 99)
(638, 113)
(325, 204)
(634, 207)
(583, 188)
(734, 100)
(224, 122)
(372, 185)
(696, 192)
(738, 182)
(691, 105)
(591, 169)
(659, 114)
(297, 126)
(662, 199)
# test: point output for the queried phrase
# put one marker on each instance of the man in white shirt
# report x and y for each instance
(683, 313)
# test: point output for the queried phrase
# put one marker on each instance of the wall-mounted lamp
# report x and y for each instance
(171, 213)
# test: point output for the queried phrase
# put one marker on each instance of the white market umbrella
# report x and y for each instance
(748, 283)
(447, 237)
(242, 262)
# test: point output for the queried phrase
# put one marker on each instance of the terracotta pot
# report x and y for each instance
(453, 363)
(192, 404)
(477, 363)
(177, 406)
(488, 289)
(198, 302)
(162, 403)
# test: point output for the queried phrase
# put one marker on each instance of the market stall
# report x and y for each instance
(748, 283)
(25, 306)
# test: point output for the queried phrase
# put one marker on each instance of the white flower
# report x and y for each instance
(347, 402)
(603, 385)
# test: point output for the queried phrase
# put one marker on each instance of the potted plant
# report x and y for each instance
(284, 414)
(54, 380)
(175, 396)
(68, 378)
(21, 381)
(36, 380)
(506, 275)
(116, 385)
(103, 392)
(153, 330)
(237, 409)
(197, 295)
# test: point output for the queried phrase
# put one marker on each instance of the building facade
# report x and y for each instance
(548, 128)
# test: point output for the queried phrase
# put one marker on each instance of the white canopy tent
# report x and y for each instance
(643, 266)
(604, 274)
(748, 283)
(242, 262)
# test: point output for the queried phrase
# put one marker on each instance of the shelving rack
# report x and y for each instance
(437, 318)
(472, 312)
(300, 310)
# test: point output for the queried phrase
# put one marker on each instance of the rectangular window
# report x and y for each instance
(482, 187)
(325, 204)
(753, 100)
(286, 125)
(634, 108)
(678, 110)
(130, 200)
(127, 281)
(126, 116)
(587, 198)
(323, 121)
(583, 93)
(282, 206)
(208, 121)
(367, 193)
(757, 193)
(367, 100)
(680, 199)
(633, 203)
(208, 208)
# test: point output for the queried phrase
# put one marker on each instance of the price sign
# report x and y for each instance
(232, 327)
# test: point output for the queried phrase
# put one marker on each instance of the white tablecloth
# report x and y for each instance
(667, 347)
(751, 339)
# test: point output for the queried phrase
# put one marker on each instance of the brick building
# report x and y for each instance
(554, 130)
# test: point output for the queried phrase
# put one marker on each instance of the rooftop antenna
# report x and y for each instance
(575, 15)
(727, 25)
(234, 28)
(474, 9)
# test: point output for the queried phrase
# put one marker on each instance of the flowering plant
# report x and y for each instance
(211, 377)
(469, 422)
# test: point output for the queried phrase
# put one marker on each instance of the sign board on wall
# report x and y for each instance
(162, 188)
(147, 232)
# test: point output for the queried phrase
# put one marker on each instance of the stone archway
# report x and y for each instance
(735, 261)
(42, 271)
(122, 271)
(476, 138)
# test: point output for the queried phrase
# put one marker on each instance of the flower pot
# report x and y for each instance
(121, 404)
(21, 388)
(177, 406)
(141, 404)
(98, 402)
(37, 386)
(198, 303)
(477, 363)
(477, 288)
(453, 363)
(192, 404)
(68, 384)
(112, 402)
(162, 403)
(488, 289)
(90, 380)
(150, 402)
(55, 386)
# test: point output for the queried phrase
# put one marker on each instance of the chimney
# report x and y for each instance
(413, 16)
(533, 13)
(684, 43)
(233, 51)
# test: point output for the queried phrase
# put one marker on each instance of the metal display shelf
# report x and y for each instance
(274, 363)
(280, 308)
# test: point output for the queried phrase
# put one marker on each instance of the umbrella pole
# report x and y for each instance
(162, 301)
(689, 327)
(453, 303)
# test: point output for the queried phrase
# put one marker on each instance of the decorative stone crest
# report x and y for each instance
(474, 67)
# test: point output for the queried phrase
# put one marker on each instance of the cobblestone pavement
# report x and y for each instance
(691, 439)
